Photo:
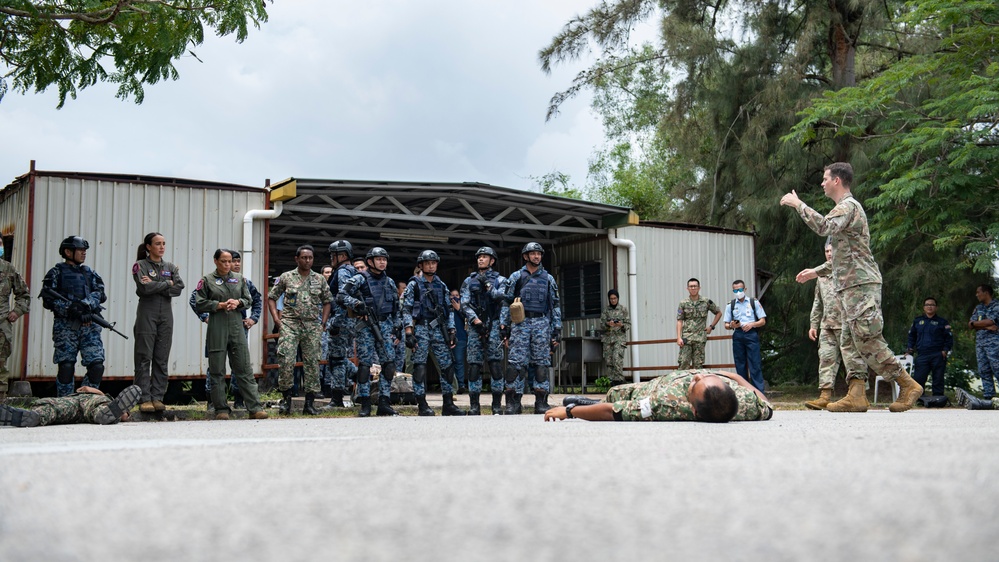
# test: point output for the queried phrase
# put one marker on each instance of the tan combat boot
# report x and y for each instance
(825, 396)
(909, 391)
(147, 407)
(854, 401)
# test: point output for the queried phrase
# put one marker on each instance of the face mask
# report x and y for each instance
(1, 251)
(739, 294)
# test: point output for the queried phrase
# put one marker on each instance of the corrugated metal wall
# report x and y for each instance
(114, 217)
(666, 259)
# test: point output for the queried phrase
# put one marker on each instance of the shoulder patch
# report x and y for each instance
(135, 268)
(201, 283)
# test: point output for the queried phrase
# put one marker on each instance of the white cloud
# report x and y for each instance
(442, 90)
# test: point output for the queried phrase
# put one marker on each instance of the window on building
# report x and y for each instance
(581, 291)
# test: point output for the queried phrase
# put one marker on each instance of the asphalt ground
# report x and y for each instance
(804, 486)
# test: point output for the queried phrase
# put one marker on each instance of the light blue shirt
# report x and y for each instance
(742, 311)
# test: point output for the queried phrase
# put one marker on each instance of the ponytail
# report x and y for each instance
(143, 253)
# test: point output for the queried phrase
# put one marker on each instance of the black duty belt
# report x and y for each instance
(529, 314)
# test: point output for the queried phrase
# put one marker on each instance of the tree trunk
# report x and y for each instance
(844, 29)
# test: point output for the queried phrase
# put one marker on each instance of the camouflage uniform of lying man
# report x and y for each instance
(87, 405)
(695, 395)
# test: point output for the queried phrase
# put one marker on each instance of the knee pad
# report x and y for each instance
(419, 374)
(473, 373)
(496, 369)
(95, 372)
(65, 373)
(363, 374)
(511, 374)
(540, 374)
(388, 370)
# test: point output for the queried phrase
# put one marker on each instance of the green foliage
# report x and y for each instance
(74, 44)
(602, 384)
(738, 102)
(558, 184)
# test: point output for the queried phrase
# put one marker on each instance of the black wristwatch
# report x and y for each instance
(568, 411)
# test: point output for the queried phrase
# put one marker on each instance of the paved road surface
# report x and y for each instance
(803, 486)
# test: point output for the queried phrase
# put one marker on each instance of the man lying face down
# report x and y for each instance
(695, 395)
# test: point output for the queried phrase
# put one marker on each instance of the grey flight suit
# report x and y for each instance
(154, 324)
(226, 337)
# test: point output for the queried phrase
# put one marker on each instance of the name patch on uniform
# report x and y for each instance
(231, 280)
(218, 281)
(167, 274)
(135, 269)
(646, 406)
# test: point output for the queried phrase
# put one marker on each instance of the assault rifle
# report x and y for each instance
(367, 317)
(76, 320)
(440, 323)
(485, 313)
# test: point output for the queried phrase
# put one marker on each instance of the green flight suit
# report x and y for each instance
(227, 337)
(11, 283)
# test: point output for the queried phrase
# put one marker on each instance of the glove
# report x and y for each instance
(360, 308)
(410, 340)
(77, 309)
(480, 328)
(397, 332)
(556, 335)
(334, 330)
(452, 339)
(505, 332)
(86, 318)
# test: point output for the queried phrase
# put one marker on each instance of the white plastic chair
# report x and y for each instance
(906, 361)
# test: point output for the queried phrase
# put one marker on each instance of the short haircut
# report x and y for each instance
(738, 282)
(304, 247)
(930, 299)
(718, 404)
(987, 289)
(841, 170)
(694, 279)
(329, 267)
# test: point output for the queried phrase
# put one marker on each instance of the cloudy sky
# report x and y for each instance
(436, 90)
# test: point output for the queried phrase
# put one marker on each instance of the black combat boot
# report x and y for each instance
(310, 404)
(421, 403)
(384, 408)
(497, 404)
(972, 402)
(580, 401)
(365, 402)
(237, 400)
(541, 402)
(336, 400)
(512, 403)
(284, 408)
(449, 408)
(473, 400)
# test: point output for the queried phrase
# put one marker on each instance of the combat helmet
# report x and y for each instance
(73, 243)
(486, 250)
(342, 247)
(532, 247)
(427, 255)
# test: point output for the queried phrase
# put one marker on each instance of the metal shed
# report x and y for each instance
(113, 212)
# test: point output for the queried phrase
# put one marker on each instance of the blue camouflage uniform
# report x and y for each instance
(78, 283)
(381, 298)
(341, 331)
(987, 347)
(482, 299)
(930, 338)
(531, 340)
(421, 302)
(256, 308)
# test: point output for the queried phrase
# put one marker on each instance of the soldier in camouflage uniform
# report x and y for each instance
(985, 322)
(426, 316)
(11, 283)
(341, 326)
(72, 330)
(615, 322)
(692, 326)
(691, 395)
(372, 298)
(87, 405)
(858, 287)
(224, 295)
(971, 402)
(306, 310)
(531, 341)
(826, 326)
(482, 302)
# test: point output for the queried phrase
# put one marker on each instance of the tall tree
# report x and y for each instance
(717, 92)
(73, 44)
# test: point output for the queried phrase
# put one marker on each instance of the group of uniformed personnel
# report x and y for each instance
(368, 310)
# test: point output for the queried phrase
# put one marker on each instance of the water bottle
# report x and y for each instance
(572, 331)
